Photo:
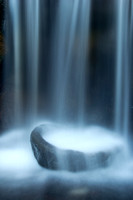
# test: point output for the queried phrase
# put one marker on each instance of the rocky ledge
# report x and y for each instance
(52, 157)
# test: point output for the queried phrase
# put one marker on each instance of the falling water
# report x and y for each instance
(32, 16)
(69, 58)
(69, 43)
(25, 73)
(15, 14)
(124, 38)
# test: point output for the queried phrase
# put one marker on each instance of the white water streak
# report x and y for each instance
(122, 101)
(15, 13)
(70, 39)
(33, 53)
(118, 92)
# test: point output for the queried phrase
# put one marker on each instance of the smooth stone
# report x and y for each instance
(51, 157)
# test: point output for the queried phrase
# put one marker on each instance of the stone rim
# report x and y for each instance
(46, 154)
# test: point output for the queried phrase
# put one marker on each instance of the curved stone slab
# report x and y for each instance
(51, 157)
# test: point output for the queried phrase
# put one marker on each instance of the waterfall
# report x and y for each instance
(123, 64)
(61, 55)
(32, 30)
(25, 55)
(14, 5)
(69, 58)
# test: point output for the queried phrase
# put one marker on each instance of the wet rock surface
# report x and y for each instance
(51, 157)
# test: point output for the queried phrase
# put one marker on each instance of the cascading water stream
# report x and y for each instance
(71, 41)
(69, 65)
(14, 5)
(32, 13)
(25, 75)
(69, 55)
(123, 66)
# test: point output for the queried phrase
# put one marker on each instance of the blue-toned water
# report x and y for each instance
(49, 62)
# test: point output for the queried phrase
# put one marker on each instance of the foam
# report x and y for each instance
(90, 139)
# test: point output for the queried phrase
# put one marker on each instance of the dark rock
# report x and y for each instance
(51, 157)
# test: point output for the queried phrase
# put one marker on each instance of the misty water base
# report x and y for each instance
(21, 176)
